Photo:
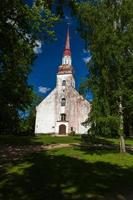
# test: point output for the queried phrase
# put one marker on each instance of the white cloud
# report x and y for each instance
(68, 20)
(66, 17)
(38, 48)
(86, 51)
(87, 59)
(43, 90)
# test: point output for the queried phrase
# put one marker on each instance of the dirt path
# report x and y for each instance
(57, 146)
(16, 151)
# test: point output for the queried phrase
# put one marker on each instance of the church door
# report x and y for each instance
(62, 129)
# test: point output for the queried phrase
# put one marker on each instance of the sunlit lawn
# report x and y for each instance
(67, 173)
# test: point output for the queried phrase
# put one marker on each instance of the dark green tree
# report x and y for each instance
(107, 29)
(21, 26)
(27, 123)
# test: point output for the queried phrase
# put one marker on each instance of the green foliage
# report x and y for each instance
(107, 29)
(89, 138)
(27, 122)
(72, 133)
(20, 27)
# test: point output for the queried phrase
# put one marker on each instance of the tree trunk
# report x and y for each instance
(122, 144)
(121, 128)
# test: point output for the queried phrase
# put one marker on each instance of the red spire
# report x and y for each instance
(67, 51)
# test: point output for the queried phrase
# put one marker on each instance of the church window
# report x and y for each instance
(63, 102)
(63, 82)
(63, 117)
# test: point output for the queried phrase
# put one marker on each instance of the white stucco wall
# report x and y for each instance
(45, 115)
(48, 115)
(78, 111)
(69, 80)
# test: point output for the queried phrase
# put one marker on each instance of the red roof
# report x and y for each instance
(67, 51)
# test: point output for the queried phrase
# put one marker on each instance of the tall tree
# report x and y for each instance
(21, 27)
(27, 123)
(107, 29)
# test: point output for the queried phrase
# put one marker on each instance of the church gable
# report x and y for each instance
(49, 98)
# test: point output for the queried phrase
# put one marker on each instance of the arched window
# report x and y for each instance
(63, 117)
(63, 82)
(63, 102)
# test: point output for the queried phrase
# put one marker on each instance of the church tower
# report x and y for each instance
(65, 81)
(64, 109)
(65, 71)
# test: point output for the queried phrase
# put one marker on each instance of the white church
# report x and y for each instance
(64, 110)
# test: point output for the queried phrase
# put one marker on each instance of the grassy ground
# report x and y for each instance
(47, 139)
(74, 173)
(41, 139)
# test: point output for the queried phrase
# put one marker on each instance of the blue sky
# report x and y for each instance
(49, 57)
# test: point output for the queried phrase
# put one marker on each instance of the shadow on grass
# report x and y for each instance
(102, 146)
(96, 140)
(99, 150)
(18, 140)
(98, 146)
(50, 177)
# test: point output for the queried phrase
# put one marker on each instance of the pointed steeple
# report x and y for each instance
(66, 60)
(66, 67)
(67, 51)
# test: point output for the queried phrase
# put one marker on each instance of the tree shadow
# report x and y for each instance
(52, 177)
(19, 140)
(101, 146)
(85, 139)
(98, 146)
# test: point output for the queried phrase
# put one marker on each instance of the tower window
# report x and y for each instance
(63, 102)
(63, 117)
(63, 82)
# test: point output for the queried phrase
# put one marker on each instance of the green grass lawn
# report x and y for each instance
(40, 139)
(47, 139)
(116, 141)
(73, 173)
